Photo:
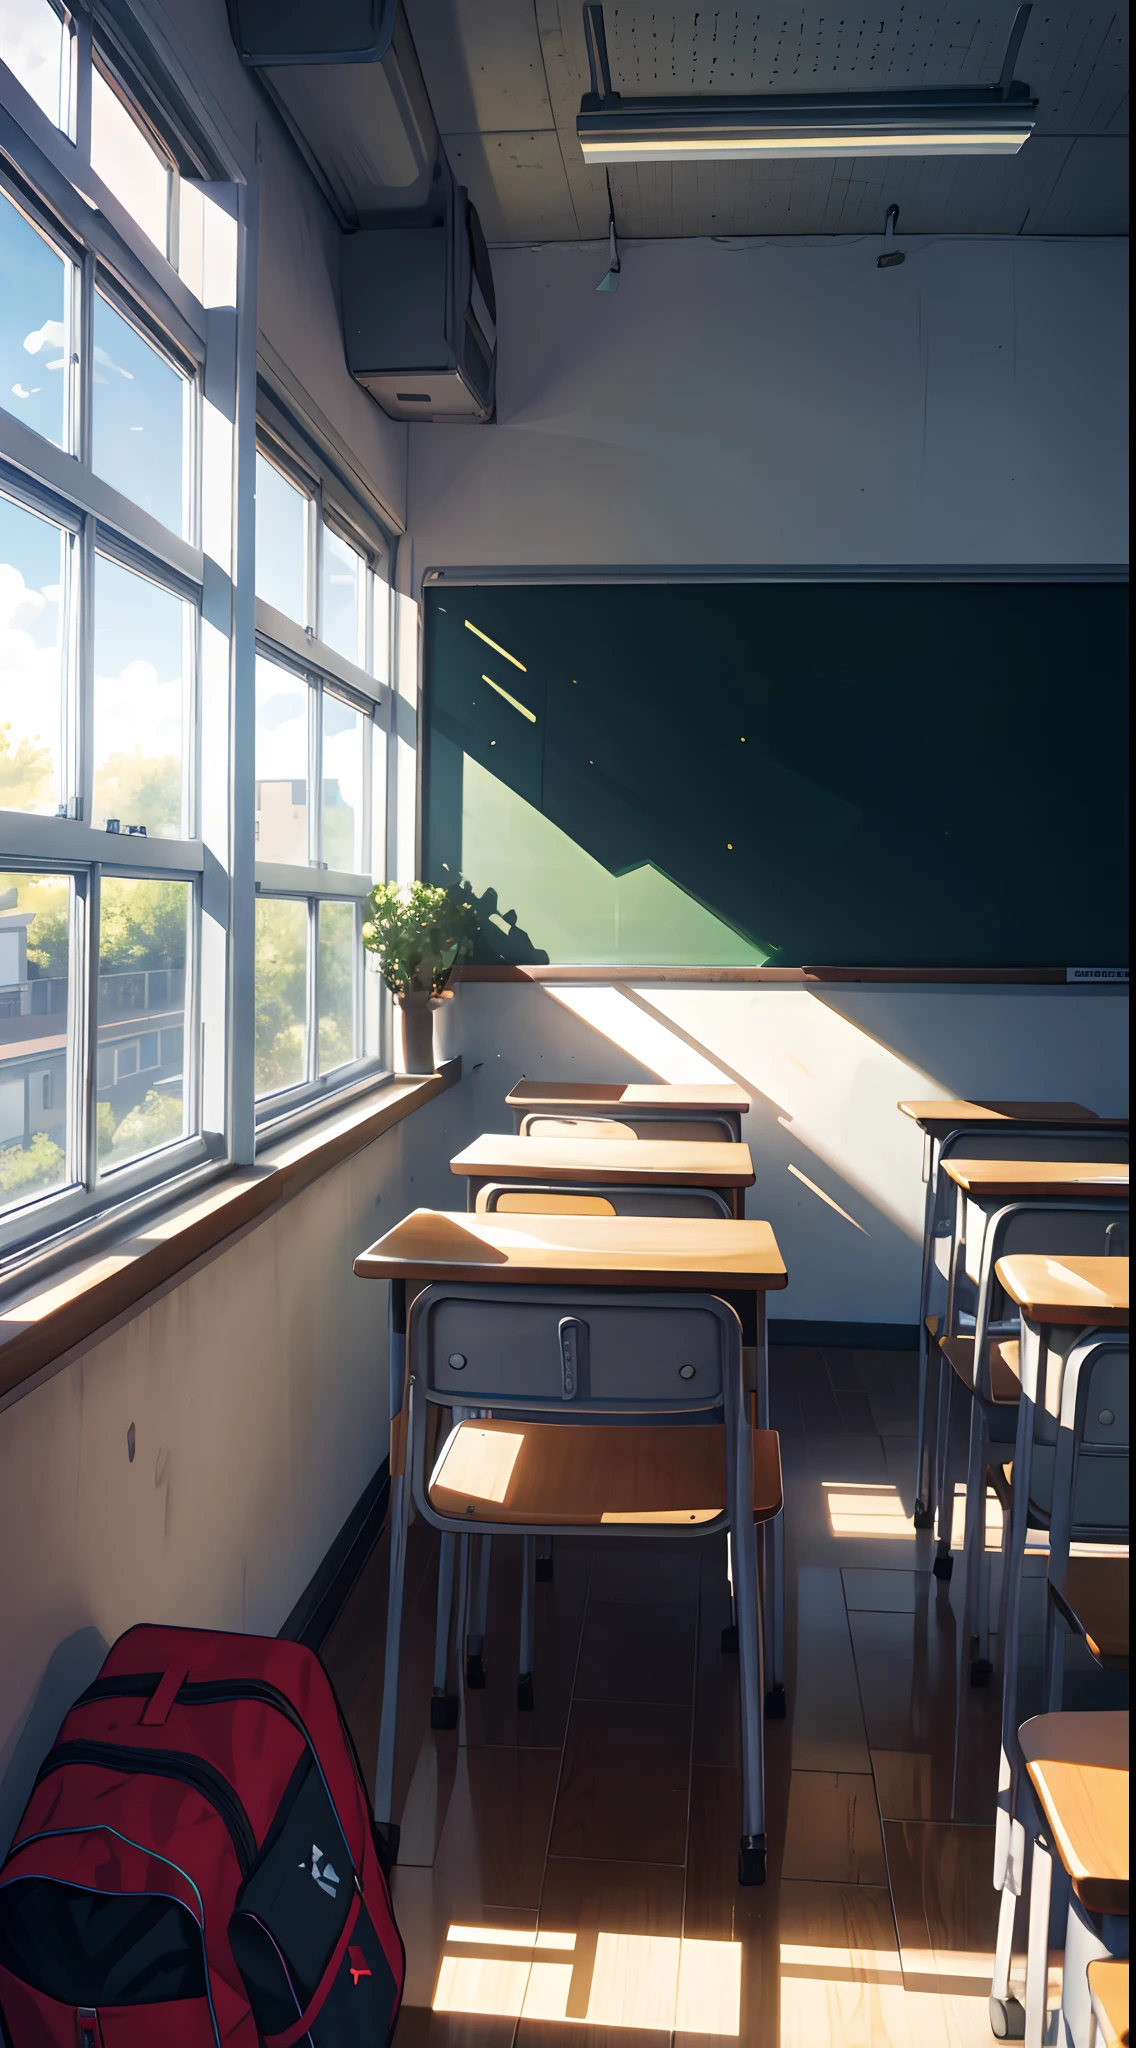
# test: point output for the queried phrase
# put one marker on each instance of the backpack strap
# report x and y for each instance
(157, 1709)
(310, 2014)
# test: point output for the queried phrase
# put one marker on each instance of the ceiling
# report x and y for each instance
(505, 79)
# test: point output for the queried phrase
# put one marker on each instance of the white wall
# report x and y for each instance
(299, 240)
(258, 1391)
(825, 1072)
(788, 403)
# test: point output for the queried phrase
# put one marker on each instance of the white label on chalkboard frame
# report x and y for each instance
(1096, 974)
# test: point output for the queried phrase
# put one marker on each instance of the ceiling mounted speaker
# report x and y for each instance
(296, 32)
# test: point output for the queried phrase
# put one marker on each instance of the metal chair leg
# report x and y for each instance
(748, 1598)
(773, 1590)
(384, 1768)
(924, 1455)
(1037, 1946)
(444, 1704)
(944, 1488)
(479, 1608)
(526, 1698)
(1007, 2014)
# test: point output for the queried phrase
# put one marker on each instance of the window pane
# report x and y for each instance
(335, 984)
(35, 45)
(143, 948)
(281, 764)
(380, 636)
(32, 559)
(281, 993)
(140, 417)
(343, 608)
(378, 849)
(342, 786)
(34, 326)
(34, 915)
(125, 159)
(141, 634)
(281, 542)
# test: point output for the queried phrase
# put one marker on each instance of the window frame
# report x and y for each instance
(45, 172)
(296, 647)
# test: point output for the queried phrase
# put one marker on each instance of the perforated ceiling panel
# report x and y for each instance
(505, 79)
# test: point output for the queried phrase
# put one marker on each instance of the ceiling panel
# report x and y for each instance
(505, 78)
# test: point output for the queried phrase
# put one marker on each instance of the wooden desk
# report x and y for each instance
(1067, 1293)
(589, 1164)
(1078, 1766)
(640, 1103)
(1108, 1997)
(935, 1117)
(619, 1251)
(1007, 1178)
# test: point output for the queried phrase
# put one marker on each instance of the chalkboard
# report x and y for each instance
(871, 774)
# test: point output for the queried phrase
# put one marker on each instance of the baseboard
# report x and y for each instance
(846, 1336)
(326, 1592)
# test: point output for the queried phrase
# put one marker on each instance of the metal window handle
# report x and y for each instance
(572, 1336)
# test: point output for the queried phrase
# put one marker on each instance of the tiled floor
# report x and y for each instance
(586, 1852)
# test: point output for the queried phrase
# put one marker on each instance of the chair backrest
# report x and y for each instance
(572, 1351)
(1063, 1229)
(616, 1201)
(708, 1130)
(1090, 1469)
(1021, 1141)
(540, 1202)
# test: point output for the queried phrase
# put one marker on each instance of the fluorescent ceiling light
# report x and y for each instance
(992, 120)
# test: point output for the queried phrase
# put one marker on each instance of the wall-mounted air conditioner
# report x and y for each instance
(420, 316)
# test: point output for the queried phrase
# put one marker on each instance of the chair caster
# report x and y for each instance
(526, 1697)
(444, 1710)
(544, 1570)
(751, 1859)
(981, 1671)
(1007, 2019)
(774, 1706)
(924, 1517)
(475, 1672)
(730, 1639)
(943, 1566)
(386, 1834)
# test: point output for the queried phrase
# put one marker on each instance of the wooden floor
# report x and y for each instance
(569, 1875)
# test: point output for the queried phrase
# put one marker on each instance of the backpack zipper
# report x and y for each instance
(165, 1763)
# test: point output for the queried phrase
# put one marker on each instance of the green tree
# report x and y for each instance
(25, 772)
(281, 992)
(142, 924)
(157, 1120)
(26, 1168)
(140, 789)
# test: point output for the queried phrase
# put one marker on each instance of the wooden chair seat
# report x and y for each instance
(1108, 1993)
(1005, 1384)
(1078, 1766)
(583, 1475)
(1092, 1594)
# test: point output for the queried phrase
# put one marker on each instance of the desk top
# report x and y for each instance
(1079, 1767)
(669, 1095)
(1067, 1177)
(949, 1115)
(655, 1251)
(1067, 1292)
(630, 1161)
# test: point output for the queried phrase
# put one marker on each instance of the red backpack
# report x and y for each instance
(196, 1865)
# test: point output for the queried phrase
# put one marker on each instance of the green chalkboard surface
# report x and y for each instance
(867, 774)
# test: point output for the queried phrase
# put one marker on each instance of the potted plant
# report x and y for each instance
(418, 935)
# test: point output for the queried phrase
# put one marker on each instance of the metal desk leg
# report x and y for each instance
(444, 1703)
(525, 1695)
(400, 1395)
(773, 1539)
(747, 1594)
(925, 1466)
(479, 1608)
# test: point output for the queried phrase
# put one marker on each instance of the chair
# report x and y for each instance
(706, 1130)
(1000, 1141)
(548, 1371)
(1108, 2002)
(986, 1365)
(619, 1201)
(1075, 1813)
(1090, 1598)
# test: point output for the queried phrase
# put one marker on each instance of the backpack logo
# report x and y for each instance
(322, 1872)
(357, 1964)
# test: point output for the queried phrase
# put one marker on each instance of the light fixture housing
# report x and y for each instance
(991, 120)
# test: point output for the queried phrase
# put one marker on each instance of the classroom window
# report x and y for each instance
(129, 159)
(282, 513)
(35, 44)
(145, 935)
(34, 573)
(35, 324)
(36, 910)
(143, 661)
(142, 419)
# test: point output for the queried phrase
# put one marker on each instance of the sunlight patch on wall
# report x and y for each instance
(572, 908)
(650, 1042)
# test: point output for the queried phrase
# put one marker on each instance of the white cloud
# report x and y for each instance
(108, 363)
(135, 709)
(50, 335)
(18, 391)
